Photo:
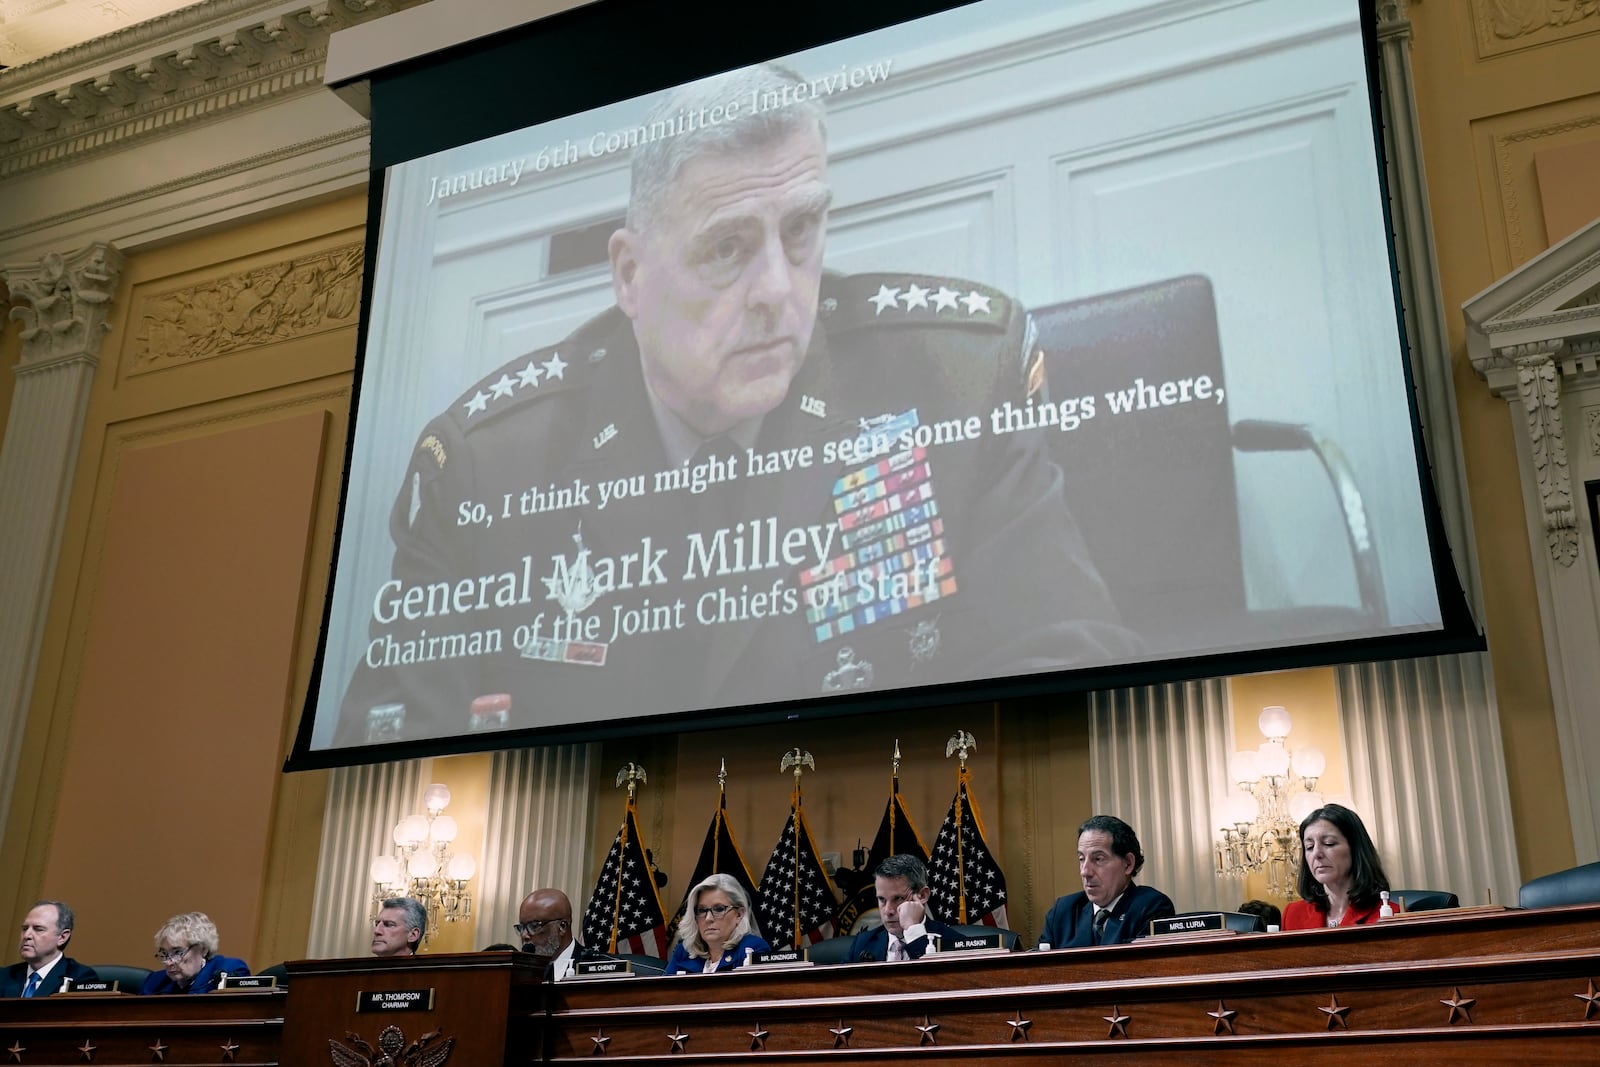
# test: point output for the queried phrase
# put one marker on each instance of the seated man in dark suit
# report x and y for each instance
(1111, 910)
(544, 922)
(902, 885)
(45, 933)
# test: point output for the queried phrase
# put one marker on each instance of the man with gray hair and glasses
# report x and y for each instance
(544, 922)
(728, 345)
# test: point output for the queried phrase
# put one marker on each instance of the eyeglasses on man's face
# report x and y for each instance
(167, 955)
(533, 928)
(719, 910)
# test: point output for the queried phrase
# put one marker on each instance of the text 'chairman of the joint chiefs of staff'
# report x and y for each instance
(829, 544)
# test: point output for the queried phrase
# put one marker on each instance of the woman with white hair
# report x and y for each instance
(716, 929)
(187, 948)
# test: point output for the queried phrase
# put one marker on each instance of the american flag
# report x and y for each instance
(719, 855)
(896, 836)
(624, 913)
(968, 886)
(797, 899)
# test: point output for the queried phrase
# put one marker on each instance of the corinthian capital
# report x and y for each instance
(64, 303)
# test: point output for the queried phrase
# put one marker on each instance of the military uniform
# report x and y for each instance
(893, 565)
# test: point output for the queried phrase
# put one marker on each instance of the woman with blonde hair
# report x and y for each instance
(186, 945)
(716, 929)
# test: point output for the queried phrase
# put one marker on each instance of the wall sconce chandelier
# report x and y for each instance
(1260, 824)
(423, 866)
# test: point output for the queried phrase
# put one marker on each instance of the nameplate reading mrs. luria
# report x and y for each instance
(1189, 924)
(394, 1000)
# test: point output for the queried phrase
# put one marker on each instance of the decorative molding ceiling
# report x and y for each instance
(33, 29)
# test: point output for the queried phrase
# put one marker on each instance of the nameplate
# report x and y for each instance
(969, 942)
(255, 983)
(602, 968)
(778, 958)
(369, 1000)
(1188, 924)
(69, 987)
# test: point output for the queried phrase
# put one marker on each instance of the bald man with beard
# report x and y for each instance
(544, 922)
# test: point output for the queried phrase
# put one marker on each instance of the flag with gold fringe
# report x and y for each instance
(796, 900)
(624, 912)
(719, 855)
(968, 885)
(896, 836)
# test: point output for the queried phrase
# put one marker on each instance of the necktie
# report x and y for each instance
(1100, 919)
(33, 985)
(897, 949)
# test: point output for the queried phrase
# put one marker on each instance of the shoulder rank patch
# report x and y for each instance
(519, 381)
(434, 447)
(859, 301)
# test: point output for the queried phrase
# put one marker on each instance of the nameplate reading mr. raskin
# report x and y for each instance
(972, 941)
(394, 1000)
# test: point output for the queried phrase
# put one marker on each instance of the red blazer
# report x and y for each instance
(1304, 915)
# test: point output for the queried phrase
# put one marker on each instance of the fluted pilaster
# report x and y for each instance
(63, 303)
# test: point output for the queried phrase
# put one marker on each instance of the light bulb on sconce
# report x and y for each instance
(423, 866)
(1259, 826)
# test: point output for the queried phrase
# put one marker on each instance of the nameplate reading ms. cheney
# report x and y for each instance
(369, 1000)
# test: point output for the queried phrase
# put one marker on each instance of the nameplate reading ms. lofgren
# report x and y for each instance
(394, 1000)
(100, 986)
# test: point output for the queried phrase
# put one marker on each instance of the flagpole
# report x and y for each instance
(722, 803)
(632, 774)
(799, 759)
(894, 791)
(960, 744)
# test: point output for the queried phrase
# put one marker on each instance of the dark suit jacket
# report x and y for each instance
(1070, 922)
(874, 944)
(16, 976)
(1019, 593)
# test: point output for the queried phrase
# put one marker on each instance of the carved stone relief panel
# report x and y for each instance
(1510, 25)
(263, 305)
(1591, 430)
(1513, 140)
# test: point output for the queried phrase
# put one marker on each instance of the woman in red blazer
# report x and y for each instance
(1340, 875)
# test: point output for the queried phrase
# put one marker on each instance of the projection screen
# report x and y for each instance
(1027, 341)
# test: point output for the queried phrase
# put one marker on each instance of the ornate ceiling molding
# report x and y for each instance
(63, 303)
(192, 66)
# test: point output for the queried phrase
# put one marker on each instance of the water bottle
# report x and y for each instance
(1385, 909)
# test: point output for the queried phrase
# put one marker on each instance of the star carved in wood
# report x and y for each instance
(1591, 1001)
(16, 1051)
(229, 1049)
(841, 1034)
(1223, 1017)
(1335, 1013)
(1119, 1023)
(1459, 1006)
(929, 1030)
(158, 1051)
(677, 1037)
(87, 1049)
(600, 1042)
(1019, 1027)
(758, 1039)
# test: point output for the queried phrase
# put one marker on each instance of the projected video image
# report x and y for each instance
(1028, 337)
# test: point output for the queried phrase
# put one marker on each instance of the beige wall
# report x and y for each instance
(197, 544)
(1493, 102)
(188, 596)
